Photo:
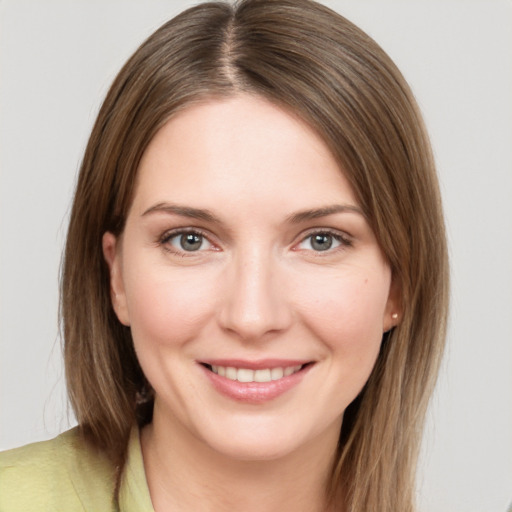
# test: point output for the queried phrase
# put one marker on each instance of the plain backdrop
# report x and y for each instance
(57, 59)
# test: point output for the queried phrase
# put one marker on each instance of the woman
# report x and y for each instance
(254, 287)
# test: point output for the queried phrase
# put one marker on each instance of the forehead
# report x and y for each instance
(243, 147)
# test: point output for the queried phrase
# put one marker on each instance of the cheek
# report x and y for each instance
(347, 314)
(167, 307)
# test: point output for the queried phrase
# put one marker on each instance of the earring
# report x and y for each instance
(394, 316)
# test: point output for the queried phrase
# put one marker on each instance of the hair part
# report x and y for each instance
(316, 64)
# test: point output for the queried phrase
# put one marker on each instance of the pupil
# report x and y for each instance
(321, 242)
(191, 242)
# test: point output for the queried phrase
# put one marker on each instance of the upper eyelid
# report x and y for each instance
(217, 237)
(170, 233)
(164, 239)
(329, 231)
(167, 235)
(344, 238)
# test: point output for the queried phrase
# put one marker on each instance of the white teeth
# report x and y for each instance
(231, 373)
(262, 376)
(247, 375)
(276, 373)
(289, 370)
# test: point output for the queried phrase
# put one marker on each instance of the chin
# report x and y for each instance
(254, 449)
(265, 439)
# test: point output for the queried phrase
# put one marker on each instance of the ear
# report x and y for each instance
(393, 311)
(113, 257)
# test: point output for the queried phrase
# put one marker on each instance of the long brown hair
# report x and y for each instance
(305, 57)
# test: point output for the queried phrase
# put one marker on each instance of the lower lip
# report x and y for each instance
(255, 392)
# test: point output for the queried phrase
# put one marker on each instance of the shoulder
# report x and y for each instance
(64, 473)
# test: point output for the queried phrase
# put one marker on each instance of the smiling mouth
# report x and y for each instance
(247, 375)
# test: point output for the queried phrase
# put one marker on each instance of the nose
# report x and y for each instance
(254, 302)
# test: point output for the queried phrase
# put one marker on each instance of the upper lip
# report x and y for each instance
(255, 364)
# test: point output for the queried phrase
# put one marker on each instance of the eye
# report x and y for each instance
(189, 241)
(323, 241)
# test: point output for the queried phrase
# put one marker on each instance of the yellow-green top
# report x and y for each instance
(66, 475)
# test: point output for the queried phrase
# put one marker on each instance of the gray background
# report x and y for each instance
(57, 59)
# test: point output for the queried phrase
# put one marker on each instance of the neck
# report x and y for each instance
(185, 474)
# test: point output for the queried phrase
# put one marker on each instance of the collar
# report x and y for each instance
(134, 492)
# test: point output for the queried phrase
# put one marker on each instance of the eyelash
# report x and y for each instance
(169, 235)
(343, 239)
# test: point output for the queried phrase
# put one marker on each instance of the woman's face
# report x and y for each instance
(255, 290)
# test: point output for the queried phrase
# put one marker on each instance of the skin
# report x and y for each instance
(257, 288)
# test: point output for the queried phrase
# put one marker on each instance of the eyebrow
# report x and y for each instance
(295, 218)
(317, 213)
(183, 211)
